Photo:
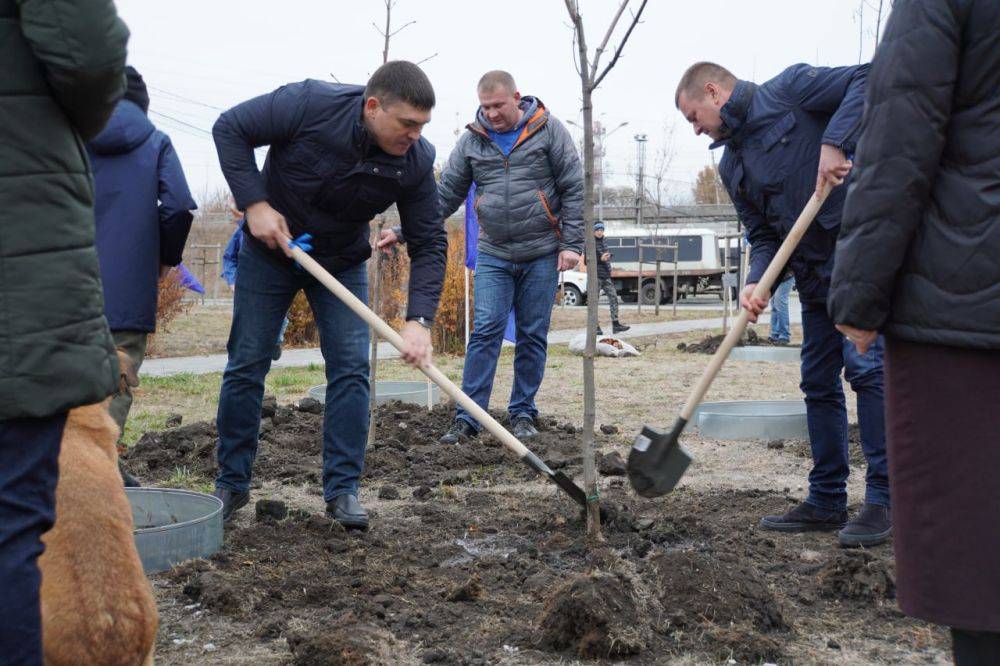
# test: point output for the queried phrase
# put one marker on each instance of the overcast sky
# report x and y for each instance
(201, 57)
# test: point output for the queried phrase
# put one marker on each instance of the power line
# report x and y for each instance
(181, 122)
(185, 99)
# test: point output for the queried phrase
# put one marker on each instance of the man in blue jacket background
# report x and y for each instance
(142, 206)
(784, 140)
(338, 156)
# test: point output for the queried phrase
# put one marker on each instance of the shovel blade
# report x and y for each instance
(657, 460)
(573, 490)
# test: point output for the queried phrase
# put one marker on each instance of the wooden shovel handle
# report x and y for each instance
(396, 340)
(762, 290)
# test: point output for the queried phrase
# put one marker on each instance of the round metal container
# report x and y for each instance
(172, 526)
(753, 419)
(386, 391)
(766, 353)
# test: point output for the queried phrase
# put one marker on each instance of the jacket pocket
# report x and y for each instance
(553, 220)
(779, 132)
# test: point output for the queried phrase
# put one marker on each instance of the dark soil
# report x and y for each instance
(710, 344)
(405, 451)
(474, 574)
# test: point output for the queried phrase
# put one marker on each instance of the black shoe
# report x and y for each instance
(805, 518)
(276, 354)
(599, 331)
(778, 342)
(523, 427)
(347, 511)
(618, 327)
(458, 431)
(872, 526)
(231, 502)
(127, 479)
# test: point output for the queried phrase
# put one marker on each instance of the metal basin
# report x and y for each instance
(172, 526)
(752, 419)
(414, 392)
(766, 353)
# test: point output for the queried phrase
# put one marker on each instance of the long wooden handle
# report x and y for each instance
(762, 290)
(395, 339)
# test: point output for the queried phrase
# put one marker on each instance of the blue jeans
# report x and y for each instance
(29, 471)
(529, 287)
(825, 352)
(264, 292)
(780, 331)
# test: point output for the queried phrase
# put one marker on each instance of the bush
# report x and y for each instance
(394, 274)
(170, 304)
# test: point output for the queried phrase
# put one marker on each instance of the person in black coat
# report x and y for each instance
(338, 156)
(919, 258)
(607, 284)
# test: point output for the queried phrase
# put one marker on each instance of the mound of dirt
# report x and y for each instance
(596, 616)
(710, 344)
(858, 575)
(404, 451)
(347, 642)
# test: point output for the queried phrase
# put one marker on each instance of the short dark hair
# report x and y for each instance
(496, 78)
(697, 75)
(401, 81)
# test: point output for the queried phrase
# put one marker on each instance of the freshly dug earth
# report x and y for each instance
(710, 344)
(475, 564)
(406, 450)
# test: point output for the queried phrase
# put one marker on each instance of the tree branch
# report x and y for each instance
(397, 30)
(618, 51)
(420, 62)
(607, 37)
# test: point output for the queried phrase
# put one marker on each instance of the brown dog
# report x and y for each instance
(97, 604)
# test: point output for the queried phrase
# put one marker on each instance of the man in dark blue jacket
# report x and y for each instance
(143, 215)
(339, 155)
(784, 140)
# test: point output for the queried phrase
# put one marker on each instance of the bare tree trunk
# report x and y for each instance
(589, 80)
(376, 292)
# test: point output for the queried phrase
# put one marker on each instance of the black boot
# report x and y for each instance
(458, 431)
(347, 511)
(618, 327)
(805, 518)
(872, 526)
(599, 331)
(231, 501)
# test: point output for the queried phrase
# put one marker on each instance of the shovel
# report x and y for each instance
(436, 376)
(657, 460)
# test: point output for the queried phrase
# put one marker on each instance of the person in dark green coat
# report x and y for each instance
(62, 74)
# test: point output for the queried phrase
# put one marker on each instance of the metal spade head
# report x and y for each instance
(657, 460)
(573, 490)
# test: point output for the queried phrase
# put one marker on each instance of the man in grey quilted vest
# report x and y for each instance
(529, 199)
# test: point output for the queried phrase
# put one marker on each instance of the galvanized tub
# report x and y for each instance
(752, 419)
(172, 526)
(769, 354)
(414, 392)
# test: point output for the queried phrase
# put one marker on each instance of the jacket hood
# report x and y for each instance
(127, 129)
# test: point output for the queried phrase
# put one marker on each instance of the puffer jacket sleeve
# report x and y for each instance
(81, 45)
(175, 207)
(839, 91)
(568, 173)
(456, 179)
(908, 108)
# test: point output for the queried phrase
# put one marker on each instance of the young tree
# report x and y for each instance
(591, 77)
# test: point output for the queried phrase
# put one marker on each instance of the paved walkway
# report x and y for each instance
(161, 367)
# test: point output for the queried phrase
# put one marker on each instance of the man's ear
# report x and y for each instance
(372, 105)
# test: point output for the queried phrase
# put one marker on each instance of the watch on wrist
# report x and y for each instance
(423, 321)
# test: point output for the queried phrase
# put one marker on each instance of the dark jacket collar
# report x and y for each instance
(734, 112)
